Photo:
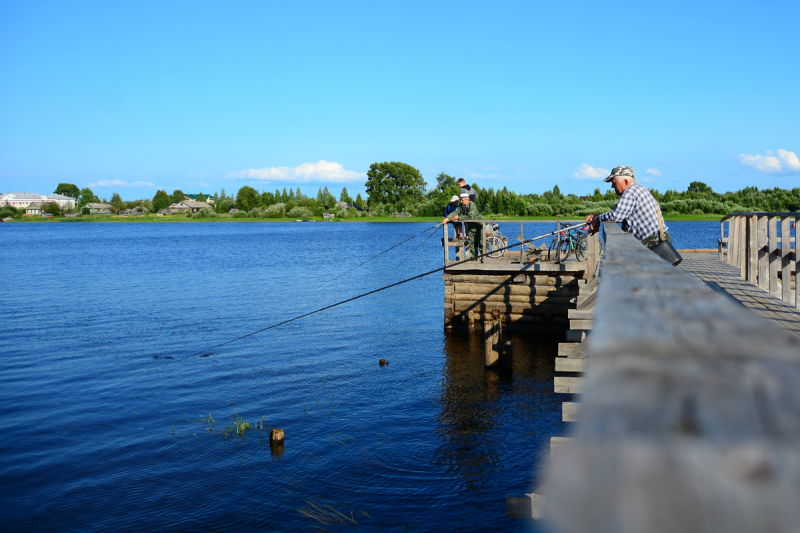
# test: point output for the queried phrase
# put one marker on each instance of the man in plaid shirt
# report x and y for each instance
(637, 210)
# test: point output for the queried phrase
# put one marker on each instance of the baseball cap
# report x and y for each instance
(464, 195)
(622, 171)
(454, 198)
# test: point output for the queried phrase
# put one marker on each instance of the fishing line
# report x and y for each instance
(414, 250)
(209, 350)
(380, 254)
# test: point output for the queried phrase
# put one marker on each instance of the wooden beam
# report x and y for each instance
(774, 258)
(569, 364)
(763, 257)
(786, 254)
(565, 385)
(569, 411)
(689, 415)
(752, 249)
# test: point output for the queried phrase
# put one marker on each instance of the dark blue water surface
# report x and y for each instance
(105, 420)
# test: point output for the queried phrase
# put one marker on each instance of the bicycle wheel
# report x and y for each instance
(582, 249)
(551, 250)
(563, 251)
(495, 243)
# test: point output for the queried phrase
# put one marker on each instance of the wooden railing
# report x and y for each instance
(518, 253)
(690, 413)
(754, 244)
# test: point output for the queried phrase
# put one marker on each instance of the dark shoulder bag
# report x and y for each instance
(664, 248)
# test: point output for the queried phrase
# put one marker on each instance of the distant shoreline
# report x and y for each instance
(179, 219)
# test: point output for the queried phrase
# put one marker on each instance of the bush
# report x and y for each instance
(206, 212)
(698, 212)
(240, 214)
(275, 211)
(300, 212)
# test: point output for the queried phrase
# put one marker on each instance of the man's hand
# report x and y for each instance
(593, 223)
(444, 221)
(455, 217)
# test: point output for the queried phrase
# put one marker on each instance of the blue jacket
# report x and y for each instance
(449, 208)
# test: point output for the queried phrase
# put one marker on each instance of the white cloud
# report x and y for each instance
(520, 169)
(777, 162)
(320, 171)
(653, 171)
(588, 172)
(121, 183)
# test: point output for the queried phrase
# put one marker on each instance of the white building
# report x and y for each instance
(21, 200)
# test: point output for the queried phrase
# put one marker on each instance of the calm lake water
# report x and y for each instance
(106, 414)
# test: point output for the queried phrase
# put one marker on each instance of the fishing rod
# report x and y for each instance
(380, 254)
(209, 350)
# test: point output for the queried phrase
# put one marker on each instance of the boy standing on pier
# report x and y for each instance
(468, 212)
(637, 210)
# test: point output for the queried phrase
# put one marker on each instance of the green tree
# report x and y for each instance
(87, 197)
(359, 201)
(68, 189)
(445, 183)
(53, 208)
(284, 196)
(161, 201)
(698, 187)
(222, 195)
(267, 199)
(116, 202)
(344, 197)
(201, 197)
(299, 195)
(247, 198)
(391, 182)
(177, 196)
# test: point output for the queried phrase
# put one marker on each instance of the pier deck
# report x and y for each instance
(726, 279)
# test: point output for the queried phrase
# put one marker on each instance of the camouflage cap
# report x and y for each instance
(621, 171)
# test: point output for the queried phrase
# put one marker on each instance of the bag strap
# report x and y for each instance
(660, 224)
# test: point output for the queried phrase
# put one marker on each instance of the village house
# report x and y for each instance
(187, 206)
(99, 209)
(22, 200)
(33, 209)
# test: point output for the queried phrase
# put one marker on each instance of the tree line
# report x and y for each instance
(394, 187)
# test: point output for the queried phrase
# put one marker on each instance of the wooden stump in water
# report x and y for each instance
(276, 436)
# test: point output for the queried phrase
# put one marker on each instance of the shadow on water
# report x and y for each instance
(486, 411)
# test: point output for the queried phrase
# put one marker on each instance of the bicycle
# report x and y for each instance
(569, 242)
(494, 241)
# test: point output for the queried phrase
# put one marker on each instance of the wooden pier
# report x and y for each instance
(520, 289)
(689, 419)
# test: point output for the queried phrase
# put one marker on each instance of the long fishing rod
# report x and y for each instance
(418, 276)
(380, 254)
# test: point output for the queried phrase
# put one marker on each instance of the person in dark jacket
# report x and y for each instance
(449, 208)
(473, 196)
(468, 212)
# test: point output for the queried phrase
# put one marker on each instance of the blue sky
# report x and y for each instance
(200, 96)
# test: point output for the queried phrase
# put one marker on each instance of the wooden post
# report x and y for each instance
(743, 246)
(491, 336)
(593, 255)
(733, 241)
(763, 258)
(786, 254)
(752, 249)
(774, 258)
(797, 262)
(446, 245)
(721, 238)
(521, 246)
(483, 240)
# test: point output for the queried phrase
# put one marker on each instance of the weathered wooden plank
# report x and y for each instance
(514, 298)
(566, 385)
(549, 320)
(581, 314)
(511, 308)
(752, 249)
(522, 290)
(774, 258)
(565, 348)
(690, 411)
(797, 264)
(786, 266)
(540, 278)
(581, 324)
(763, 256)
(569, 411)
(569, 364)
(496, 266)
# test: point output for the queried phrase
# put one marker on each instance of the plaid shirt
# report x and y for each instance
(638, 212)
